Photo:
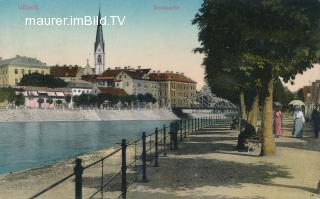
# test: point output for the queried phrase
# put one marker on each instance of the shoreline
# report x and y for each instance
(41, 115)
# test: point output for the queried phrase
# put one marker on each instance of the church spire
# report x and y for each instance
(99, 53)
(99, 34)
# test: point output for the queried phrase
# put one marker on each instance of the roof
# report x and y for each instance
(133, 73)
(105, 78)
(113, 91)
(24, 61)
(64, 71)
(99, 35)
(34, 88)
(170, 77)
(89, 78)
(80, 84)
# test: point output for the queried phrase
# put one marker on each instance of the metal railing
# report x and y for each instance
(131, 160)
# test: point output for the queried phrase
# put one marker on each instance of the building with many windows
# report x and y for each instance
(13, 69)
(175, 89)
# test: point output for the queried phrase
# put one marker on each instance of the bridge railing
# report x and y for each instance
(112, 175)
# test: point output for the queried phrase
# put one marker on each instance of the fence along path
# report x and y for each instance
(112, 175)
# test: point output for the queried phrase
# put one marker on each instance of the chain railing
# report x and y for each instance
(128, 163)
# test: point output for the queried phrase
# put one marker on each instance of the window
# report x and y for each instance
(16, 81)
(139, 84)
(29, 71)
(127, 83)
(120, 76)
(22, 71)
(15, 71)
(125, 76)
(99, 59)
(42, 72)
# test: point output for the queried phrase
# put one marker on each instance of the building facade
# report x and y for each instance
(71, 73)
(12, 70)
(175, 89)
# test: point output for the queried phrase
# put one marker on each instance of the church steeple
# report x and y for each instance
(99, 53)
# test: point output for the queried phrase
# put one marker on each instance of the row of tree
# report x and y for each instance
(109, 99)
(248, 45)
(42, 80)
(9, 95)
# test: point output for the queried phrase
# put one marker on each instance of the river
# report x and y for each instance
(30, 145)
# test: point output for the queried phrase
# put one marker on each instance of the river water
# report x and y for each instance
(30, 145)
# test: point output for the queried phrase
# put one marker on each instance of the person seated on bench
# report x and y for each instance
(246, 131)
(234, 123)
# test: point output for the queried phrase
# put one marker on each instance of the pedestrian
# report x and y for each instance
(277, 122)
(315, 116)
(246, 131)
(298, 121)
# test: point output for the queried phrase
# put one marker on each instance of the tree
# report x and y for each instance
(49, 101)
(40, 101)
(59, 102)
(68, 99)
(41, 80)
(300, 95)
(7, 94)
(20, 100)
(263, 40)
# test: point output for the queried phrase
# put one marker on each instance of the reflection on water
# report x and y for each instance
(28, 145)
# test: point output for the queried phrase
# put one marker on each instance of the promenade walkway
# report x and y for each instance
(207, 166)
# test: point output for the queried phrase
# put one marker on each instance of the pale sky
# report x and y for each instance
(306, 78)
(154, 38)
(158, 39)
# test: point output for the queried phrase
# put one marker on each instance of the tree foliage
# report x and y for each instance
(7, 94)
(98, 100)
(250, 43)
(41, 80)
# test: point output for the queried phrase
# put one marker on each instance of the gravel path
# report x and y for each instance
(206, 166)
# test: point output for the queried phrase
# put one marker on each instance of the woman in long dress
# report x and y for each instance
(277, 122)
(298, 122)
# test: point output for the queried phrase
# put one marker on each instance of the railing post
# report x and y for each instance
(185, 128)
(181, 130)
(164, 140)
(123, 170)
(156, 162)
(192, 119)
(78, 171)
(144, 164)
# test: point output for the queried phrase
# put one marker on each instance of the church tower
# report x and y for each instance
(99, 54)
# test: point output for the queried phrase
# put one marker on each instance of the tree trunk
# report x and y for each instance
(249, 115)
(243, 111)
(268, 143)
(255, 111)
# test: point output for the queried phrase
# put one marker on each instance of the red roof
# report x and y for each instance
(170, 77)
(89, 78)
(64, 71)
(134, 73)
(113, 91)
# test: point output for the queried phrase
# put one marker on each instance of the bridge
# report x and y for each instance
(206, 99)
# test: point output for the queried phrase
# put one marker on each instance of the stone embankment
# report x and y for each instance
(39, 115)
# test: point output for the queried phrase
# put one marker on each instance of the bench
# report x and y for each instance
(254, 141)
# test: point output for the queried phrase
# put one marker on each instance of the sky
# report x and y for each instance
(161, 39)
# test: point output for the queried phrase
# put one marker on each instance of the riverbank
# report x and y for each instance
(41, 115)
